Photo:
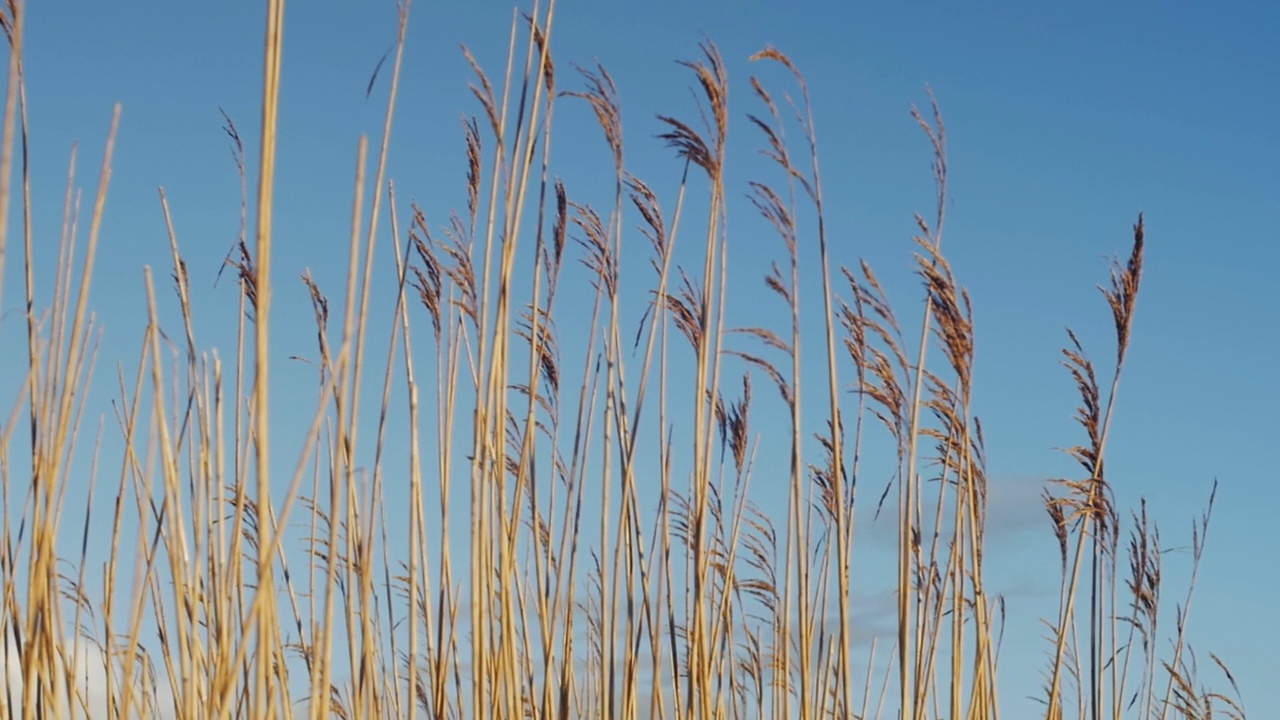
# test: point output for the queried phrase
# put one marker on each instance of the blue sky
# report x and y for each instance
(1064, 122)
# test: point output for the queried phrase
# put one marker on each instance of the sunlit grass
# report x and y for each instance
(609, 561)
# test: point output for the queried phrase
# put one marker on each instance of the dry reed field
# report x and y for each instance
(570, 527)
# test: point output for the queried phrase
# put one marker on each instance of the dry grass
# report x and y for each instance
(609, 561)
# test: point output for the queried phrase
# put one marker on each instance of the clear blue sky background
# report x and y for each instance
(1064, 121)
